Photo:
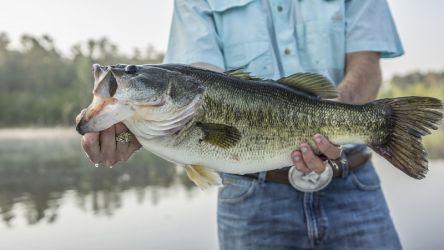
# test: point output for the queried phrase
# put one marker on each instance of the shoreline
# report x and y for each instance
(38, 133)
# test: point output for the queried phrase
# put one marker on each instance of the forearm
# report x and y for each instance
(362, 78)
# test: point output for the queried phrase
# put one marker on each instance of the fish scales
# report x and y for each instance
(282, 122)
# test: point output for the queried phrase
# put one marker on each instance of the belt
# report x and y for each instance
(356, 156)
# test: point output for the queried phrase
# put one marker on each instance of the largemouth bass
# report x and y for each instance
(235, 123)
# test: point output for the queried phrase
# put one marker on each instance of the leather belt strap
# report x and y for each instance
(357, 156)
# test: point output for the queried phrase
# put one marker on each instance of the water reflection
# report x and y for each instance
(35, 174)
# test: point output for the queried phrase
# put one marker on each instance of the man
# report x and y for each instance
(342, 40)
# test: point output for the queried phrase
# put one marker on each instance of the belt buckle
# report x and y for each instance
(311, 182)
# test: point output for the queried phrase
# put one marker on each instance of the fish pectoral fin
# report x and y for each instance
(220, 135)
(202, 176)
(311, 83)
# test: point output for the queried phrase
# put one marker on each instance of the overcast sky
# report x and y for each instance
(137, 23)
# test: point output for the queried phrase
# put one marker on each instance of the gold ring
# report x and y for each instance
(124, 137)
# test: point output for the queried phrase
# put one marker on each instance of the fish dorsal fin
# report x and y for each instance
(311, 83)
(203, 177)
(220, 135)
(238, 73)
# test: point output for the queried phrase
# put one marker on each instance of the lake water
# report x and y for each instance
(52, 198)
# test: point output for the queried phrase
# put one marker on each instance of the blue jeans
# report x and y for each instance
(350, 213)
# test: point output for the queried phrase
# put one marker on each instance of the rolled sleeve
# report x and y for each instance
(370, 27)
(193, 37)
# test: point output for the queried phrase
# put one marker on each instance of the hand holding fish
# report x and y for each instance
(305, 160)
(102, 147)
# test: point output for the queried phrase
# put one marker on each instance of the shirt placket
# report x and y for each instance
(284, 26)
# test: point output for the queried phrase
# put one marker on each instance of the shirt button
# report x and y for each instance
(287, 51)
(279, 8)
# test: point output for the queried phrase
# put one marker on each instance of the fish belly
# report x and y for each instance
(235, 161)
(255, 152)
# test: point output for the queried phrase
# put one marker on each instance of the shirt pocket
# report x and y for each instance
(239, 21)
(253, 57)
(321, 38)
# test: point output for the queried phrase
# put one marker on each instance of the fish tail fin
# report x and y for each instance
(410, 118)
(202, 176)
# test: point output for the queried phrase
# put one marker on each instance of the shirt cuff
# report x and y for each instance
(386, 50)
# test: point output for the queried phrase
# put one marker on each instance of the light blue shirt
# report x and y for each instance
(276, 38)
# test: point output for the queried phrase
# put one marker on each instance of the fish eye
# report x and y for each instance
(131, 69)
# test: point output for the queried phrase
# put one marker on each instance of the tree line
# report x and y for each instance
(41, 86)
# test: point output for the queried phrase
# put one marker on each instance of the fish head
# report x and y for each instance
(107, 107)
(123, 91)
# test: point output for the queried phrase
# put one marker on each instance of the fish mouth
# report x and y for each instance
(102, 114)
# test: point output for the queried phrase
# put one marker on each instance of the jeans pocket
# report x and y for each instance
(365, 178)
(236, 188)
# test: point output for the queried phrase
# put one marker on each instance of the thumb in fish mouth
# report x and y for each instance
(102, 114)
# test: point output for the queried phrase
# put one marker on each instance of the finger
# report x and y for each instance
(91, 146)
(312, 161)
(134, 145)
(299, 164)
(327, 148)
(108, 145)
(121, 147)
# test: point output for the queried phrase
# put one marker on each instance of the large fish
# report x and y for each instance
(234, 123)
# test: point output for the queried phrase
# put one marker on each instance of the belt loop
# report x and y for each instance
(345, 170)
(262, 176)
(344, 164)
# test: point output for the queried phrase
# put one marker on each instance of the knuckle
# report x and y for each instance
(333, 153)
(304, 170)
(325, 148)
(317, 168)
(313, 162)
(308, 157)
(312, 165)
(298, 164)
